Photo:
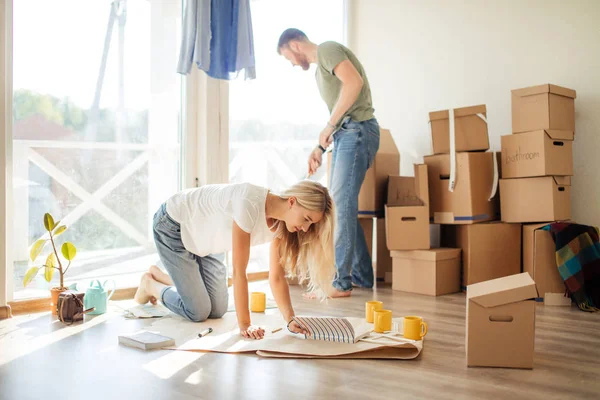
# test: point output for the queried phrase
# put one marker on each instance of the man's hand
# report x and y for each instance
(252, 332)
(326, 136)
(314, 161)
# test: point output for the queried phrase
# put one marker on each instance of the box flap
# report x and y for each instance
(506, 290)
(546, 88)
(437, 254)
(458, 112)
(560, 135)
(402, 192)
(421, 182)
(562, 180)
(386, 142)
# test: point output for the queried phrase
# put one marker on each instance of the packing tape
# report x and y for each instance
(495, 181)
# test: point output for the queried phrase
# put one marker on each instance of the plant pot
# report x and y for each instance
(54, 292)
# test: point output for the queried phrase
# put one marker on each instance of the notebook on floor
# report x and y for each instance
(334, 329)
(146, 340)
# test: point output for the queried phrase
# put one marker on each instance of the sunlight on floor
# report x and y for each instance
(167, 366)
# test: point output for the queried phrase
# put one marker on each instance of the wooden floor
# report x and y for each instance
(41, 359)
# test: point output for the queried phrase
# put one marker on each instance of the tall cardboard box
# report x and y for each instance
(538, 153)
(433, 272)
(539, 261)
(407, 211)
(543, 107)
(373, 192)
(489, 250)
(470, 129)
(501, 322)
(546, 198)
(382, 261)
(470, 202)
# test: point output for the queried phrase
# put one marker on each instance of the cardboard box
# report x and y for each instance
(489, 251)
(538, 153)
(432, 272)
(407, 211)
(373, 192)
(470, 130)
(546, 198)
(382, 261)
(469, 203)
(543, 107)
(539, 261)
(501, 322)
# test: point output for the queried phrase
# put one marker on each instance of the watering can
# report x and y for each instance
(97, 296)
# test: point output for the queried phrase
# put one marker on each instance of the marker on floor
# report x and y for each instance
(205, 332)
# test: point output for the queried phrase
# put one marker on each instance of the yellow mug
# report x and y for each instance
(371, 306)
(258, 301)
(414, 328)
(382, 320)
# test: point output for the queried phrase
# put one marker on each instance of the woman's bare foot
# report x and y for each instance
(160, 276)
(142, 294)
(335, 293)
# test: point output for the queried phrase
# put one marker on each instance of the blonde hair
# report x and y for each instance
(309, 255)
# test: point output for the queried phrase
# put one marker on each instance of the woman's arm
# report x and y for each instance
(241, 255)
(280, 288)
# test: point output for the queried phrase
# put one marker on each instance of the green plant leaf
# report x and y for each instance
(59, 230)
(31, 273)
(51, 262)
(48, 222)
(69, 251)
(36, 249)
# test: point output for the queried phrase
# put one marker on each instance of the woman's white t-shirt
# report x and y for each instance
(206, 215)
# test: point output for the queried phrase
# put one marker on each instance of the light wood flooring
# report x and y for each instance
(41, 359)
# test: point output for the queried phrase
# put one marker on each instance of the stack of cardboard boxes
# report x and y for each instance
(537, 165)
(489, 250)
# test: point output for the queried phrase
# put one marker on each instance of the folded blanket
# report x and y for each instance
(578, 261)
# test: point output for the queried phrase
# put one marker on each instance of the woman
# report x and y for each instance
(196, 225)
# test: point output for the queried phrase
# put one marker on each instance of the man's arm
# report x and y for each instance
(352, 84)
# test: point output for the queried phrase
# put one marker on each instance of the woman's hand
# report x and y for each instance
(295, 328)
(252, 332)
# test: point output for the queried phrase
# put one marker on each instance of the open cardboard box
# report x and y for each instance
(407, 211)
(470, 130)
(546, 198)
(501, 322)
(538, 153)
(543, 107)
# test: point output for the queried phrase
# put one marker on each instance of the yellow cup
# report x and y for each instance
(258, 301)
(382, 320)
(414, 328)
(371, 306)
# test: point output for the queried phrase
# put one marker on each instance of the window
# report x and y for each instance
(275, 120)
(96, 132)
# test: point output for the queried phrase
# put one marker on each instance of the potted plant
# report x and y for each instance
(53, 261)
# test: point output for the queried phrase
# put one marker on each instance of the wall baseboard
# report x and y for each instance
(5, 312)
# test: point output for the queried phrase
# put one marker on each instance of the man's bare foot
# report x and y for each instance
(159, 276)
(335, 293)
(141, 295)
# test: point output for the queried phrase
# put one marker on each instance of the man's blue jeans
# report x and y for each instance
(355, 146)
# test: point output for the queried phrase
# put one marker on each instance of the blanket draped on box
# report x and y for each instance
(578, 261)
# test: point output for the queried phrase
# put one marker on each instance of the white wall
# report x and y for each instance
(428, 55)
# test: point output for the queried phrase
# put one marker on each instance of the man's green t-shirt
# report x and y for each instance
(329, 55)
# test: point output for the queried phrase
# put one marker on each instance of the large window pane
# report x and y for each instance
(276, 119)
(96, 133)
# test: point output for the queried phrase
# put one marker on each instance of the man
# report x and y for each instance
(344, 87)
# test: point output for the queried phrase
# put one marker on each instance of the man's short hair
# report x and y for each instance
(288, 35)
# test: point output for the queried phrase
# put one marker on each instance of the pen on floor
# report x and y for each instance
(205, 332)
